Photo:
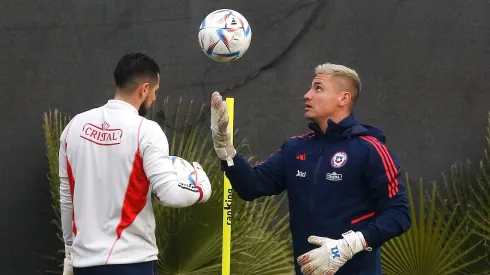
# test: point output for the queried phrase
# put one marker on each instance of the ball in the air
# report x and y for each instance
(225, 35)
(184, 169)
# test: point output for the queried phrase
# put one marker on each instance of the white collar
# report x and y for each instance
(120, 104)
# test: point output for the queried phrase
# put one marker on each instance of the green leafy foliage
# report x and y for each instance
(451, 226)
(190, 239)
(481, 215)
(432, 246)
(468, 188)
(458, 191)
(53, 125)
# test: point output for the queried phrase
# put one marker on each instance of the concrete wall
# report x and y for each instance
(424, 66)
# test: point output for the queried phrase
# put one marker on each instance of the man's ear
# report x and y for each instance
(144, 89)
(345, 98)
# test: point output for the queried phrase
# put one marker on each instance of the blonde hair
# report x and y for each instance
(344, 72)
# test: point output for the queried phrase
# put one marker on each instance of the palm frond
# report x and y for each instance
(458, 190)
(433, 245)
(481, 193)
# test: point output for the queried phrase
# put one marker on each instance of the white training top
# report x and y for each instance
(111, 161)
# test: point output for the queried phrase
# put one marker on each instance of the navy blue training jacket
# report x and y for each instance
(341, 180)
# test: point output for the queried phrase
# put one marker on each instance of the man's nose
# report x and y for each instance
(308, 95)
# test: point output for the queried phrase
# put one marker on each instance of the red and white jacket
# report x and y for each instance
(111, 161)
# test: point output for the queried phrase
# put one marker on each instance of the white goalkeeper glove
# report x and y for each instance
(332, 254)
(67, 264)
(220, 129)
(202, 182)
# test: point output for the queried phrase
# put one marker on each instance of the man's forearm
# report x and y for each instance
(389, 224)
(66, 208)
(251, 183)
(241, 178)
(176, 193)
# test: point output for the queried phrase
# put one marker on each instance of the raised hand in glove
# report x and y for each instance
(67, 264)
(332, 254)
(220, 129)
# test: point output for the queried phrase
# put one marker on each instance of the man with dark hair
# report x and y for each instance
(112, 162)
(131, 69)
(346, 197)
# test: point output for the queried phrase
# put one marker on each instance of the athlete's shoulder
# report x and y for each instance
(371, 142)
(151, 126)
(88, 113)
(69, 125)
(299, 139)
(83, 117)
(150, 130)
(375, 147)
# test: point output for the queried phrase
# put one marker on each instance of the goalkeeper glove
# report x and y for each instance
(220, 129)
(332, 254)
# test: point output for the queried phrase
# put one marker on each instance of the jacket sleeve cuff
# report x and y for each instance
(224, 164)
(369, 239)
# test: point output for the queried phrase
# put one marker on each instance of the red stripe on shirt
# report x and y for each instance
(71, 181)
(388, 163)
(135, 198)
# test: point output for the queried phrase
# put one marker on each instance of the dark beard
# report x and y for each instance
(142, 111)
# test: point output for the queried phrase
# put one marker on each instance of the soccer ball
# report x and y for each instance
(184, 169)
(225, 35)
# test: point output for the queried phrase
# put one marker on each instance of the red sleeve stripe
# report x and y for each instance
(391, 165)
(363, 217)
(201, 193)
(388, 163)
(261, 162)
(305, 135)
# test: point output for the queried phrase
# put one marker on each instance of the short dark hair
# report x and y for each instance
(133, 65)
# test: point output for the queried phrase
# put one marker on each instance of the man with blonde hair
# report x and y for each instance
(346, 196)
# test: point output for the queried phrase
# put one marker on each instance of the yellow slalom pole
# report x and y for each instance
(227, 202)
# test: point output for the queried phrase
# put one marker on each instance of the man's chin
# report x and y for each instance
(308, 115)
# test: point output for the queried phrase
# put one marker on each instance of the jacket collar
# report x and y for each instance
(121, 105)
(347, 128)
(336, 130)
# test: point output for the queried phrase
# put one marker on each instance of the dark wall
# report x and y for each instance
(424, 66)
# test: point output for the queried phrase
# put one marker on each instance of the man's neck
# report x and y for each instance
(127, 99)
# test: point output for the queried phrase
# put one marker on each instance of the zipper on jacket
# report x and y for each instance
(315, 179)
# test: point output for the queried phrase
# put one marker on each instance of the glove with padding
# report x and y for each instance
(220, 129)
(332, 254)
(67, 262)
(202, 182)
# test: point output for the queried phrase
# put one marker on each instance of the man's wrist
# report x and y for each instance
(68, 251)
(356, 241)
